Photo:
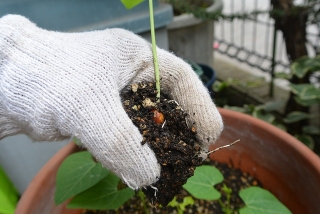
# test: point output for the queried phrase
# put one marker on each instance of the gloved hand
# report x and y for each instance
(56, 85)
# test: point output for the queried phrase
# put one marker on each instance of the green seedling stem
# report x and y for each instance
(154, 50)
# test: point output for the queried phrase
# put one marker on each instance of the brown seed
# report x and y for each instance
(158, 117)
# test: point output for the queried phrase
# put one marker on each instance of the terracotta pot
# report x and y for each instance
(39, 196)
(283, 164)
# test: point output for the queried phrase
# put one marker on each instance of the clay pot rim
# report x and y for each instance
(296, 145)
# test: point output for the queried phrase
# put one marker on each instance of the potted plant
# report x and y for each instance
(282, 164)
(189, 37)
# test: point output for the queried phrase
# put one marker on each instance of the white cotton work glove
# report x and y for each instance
(56, 85)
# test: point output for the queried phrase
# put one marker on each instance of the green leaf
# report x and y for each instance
(272, 106)
(261, 201)
(279, 125)
(299, 69)
(299, 88)
(305, 91)
(173, 202)
(188, 200)
(314, 130)
(77, 173)
(200, 185)
(103, 196)
(8, 194)
(131, 3)
(304, 65)
(296, 116)
(268, 117)
(310, 93)
(307, 103)
(307, 140)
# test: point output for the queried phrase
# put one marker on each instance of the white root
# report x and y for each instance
(221, 147)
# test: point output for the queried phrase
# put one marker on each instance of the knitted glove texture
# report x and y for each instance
(56, 85)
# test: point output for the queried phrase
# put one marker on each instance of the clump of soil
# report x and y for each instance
(173, 142)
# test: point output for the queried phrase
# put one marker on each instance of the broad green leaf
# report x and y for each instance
(304, 65)
(272, 106)
(310, 93)
(264, 116)
(200, 185)
(77, 173)
(299, 69)
(305, 91)
(311, 130)
(296, 116)
(131, 3)
(261, 201)
(103, 196)
(299, 88)
(307, 140)
(8, 194)
(309, 102)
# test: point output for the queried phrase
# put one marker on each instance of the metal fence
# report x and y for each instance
(254, 41)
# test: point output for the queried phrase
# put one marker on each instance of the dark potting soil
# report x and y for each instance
(233, 178)
(164, 128)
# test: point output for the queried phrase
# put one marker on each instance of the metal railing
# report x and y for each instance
(255, 41)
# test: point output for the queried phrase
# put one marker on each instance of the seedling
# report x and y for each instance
(226, 207)
(181, 206)
(130, 4)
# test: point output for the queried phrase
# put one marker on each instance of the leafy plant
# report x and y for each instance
(93, 187)
(226, 207)
(306, 95)
(256, 199)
